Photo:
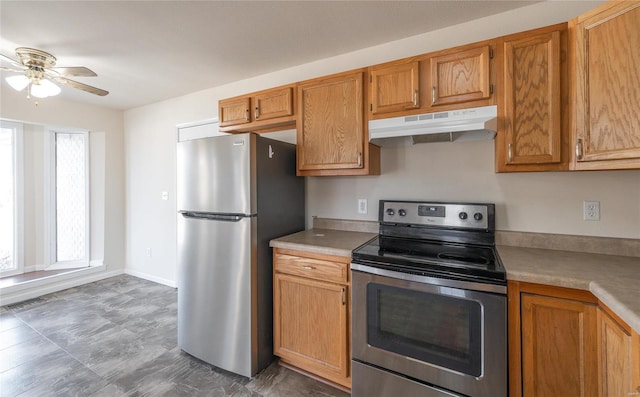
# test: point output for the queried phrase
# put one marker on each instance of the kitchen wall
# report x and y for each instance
(106, 178)
(540, 202)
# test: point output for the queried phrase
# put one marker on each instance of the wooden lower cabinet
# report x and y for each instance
(311, 314)
(565, 342)
(559, 356)
(615, 356)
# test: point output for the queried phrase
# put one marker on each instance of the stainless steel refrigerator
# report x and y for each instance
(235, 193)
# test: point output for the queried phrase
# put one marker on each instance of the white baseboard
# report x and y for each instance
(35, 288)
(155, 279)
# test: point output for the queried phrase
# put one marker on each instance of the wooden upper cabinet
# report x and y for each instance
(272, 104)
(532, 133)
(332, 136)
(461, 76)
(607, 87)
(394, 87)
(559, 349)
(234, 111)
(260, 111)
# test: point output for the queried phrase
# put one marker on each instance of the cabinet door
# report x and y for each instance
(608, 87)
(234, 111)
(635, 355)
(461, 76)
(272, 104)
(330, 123)
(531, 98)
(559, 355)
(394, 87)
(615, 357)
(310, 325)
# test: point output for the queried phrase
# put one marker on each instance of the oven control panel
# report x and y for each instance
(458, 215)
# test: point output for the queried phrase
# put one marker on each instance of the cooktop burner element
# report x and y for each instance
(446, 240)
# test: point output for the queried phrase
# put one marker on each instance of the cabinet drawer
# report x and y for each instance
(312, 268)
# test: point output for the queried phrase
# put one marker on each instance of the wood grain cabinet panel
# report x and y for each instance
(311, 314)
(272, 104)
(565, 342)
(234, 111)
(615, 357)
(461, 76)
(394, 87)
(531, 136)
(332, 137)
(261, 111)
(559, 356)
(607, 87)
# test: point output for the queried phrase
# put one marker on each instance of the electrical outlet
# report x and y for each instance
(148, 252)
(591, 210)
(362, 206)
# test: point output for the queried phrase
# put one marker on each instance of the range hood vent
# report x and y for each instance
(455, 125)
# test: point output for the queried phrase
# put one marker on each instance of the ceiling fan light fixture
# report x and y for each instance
(44, 88)
(19, 82)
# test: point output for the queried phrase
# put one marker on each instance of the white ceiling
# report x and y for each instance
(148, 51)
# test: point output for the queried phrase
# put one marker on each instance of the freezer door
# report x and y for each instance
(217, 174)
(215, 266)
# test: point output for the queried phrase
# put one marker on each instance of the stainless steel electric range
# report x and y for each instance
(429, 304)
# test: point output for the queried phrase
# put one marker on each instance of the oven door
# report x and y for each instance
(433, 330)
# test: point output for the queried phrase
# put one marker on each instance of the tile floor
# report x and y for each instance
(117, 337)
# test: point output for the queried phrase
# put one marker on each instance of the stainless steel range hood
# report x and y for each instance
(455, 125)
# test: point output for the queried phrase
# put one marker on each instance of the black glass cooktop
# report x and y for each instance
(433, 258)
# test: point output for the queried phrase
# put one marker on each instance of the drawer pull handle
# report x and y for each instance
(579, 149)
(433, 94)
(256, 113)
(415, 98)
(343, 295)
(308, 267)
(246, 115)
(509, 154)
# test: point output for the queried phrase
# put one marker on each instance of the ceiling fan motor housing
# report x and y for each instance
(30, 57)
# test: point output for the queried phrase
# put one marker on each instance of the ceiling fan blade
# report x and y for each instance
(79, 71)
(11, 69)
(78, 85)
(12, 61)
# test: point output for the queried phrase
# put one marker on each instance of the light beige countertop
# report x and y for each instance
(324, 241)
(614, 280)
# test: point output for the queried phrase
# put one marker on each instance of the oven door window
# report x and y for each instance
(432, 328)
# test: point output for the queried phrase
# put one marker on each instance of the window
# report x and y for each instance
(70, 200)
(11, 220)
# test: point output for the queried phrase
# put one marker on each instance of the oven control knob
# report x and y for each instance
(402, 212)
(477, 216)
(462, 215)
(390, 212)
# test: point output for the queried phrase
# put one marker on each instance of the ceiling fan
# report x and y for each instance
(38, 73)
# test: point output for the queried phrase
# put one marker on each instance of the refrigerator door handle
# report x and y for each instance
(214, 217)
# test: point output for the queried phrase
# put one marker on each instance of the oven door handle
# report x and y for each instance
(441, 282)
